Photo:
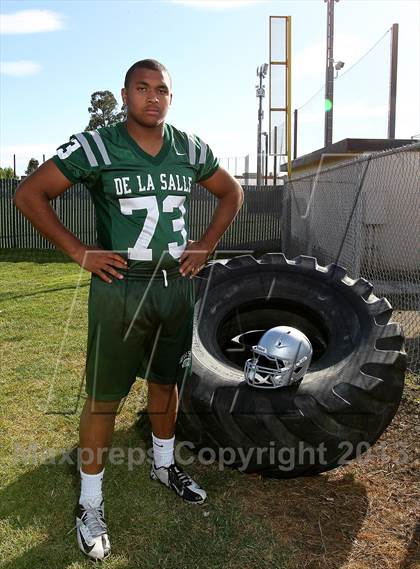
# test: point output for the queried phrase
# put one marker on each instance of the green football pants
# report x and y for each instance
(138, 327)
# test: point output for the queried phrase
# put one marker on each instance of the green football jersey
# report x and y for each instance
(141, 201)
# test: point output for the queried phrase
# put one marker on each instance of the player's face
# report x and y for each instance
(148, 97)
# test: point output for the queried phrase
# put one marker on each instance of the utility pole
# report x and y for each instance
(329, 75)
(261, 73)
(393, 82)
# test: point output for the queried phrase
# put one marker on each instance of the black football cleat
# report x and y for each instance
(173, 477)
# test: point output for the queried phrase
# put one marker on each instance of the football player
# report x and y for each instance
(140, 175)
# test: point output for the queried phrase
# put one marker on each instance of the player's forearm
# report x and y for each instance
(225, 213)
(37, 209)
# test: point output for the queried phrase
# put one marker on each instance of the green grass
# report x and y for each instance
(43, 326)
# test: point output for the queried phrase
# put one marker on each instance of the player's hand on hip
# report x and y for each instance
(100, 262)
(193, 258)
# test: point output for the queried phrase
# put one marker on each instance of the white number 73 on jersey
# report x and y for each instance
(141, 251)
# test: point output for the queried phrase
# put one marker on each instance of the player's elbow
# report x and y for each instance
(24, 194)
(19, 196)
(241, 194)
(234, 195)
(238, 193)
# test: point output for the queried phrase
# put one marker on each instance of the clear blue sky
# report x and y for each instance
(212, 50)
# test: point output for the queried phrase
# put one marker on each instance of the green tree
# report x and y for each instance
(7, 173)
(33, 164)
(103, 110)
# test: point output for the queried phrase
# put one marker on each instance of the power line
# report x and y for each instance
(367, 53)
(349, 69)
(313, 96)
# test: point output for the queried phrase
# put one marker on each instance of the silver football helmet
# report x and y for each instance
(281, 358)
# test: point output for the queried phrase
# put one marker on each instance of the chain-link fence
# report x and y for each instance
(364, 215)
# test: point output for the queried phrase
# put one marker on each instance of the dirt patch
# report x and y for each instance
(359, 516)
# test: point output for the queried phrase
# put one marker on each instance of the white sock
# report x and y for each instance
(91, 488)
(163, 451)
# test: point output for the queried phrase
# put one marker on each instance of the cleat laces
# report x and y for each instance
(93, 518)
(181, 476)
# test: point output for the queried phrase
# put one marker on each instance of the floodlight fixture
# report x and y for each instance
(262, 70)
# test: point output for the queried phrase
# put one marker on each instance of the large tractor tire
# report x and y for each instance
(338, 410)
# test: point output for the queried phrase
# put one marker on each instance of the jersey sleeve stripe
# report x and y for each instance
(191, 150)
(85, 145)
(203, 153)
(101, 146)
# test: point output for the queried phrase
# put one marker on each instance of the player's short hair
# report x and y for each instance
(152, 64)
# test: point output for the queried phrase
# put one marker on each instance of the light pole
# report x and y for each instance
(261, 73)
